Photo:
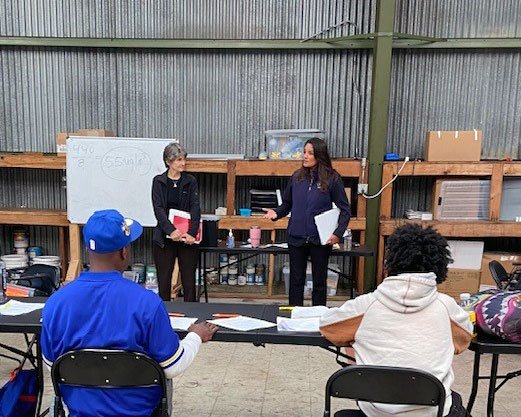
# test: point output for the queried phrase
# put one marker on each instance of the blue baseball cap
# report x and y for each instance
(108, 231)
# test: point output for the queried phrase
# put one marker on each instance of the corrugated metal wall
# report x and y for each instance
(202, 19)
(459, 18)
(454, 89)
(215, 100)
(211, 100)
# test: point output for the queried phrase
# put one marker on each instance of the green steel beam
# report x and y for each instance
(460, 43)
(363, 41)
(394, 35)
(286, 44)
(378, 118)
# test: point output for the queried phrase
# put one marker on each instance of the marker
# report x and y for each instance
(224, 315)
(176, 314)
(286, 308)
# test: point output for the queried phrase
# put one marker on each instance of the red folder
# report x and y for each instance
(181, 221)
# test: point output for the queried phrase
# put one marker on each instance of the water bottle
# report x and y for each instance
(231, 240)
(348, 240)
(464, 300)
(151, 283)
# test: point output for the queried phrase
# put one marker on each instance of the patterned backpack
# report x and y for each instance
(500, 314)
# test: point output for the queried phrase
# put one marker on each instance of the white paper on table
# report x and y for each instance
(307, 312)
(17, 308)
(182, 323)
(310, 324)
(243, 323)
(275, 245)
(326, 223)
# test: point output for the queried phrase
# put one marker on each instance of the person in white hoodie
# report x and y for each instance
(406, 322)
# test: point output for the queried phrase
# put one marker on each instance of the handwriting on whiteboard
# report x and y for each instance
(125, 162)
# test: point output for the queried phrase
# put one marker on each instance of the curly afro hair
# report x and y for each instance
(412, 248)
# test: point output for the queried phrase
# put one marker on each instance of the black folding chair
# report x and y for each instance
(384, 384)
(499, 274)
(106, 369)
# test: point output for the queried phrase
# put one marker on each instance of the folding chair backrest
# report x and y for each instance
(388, 385)
(499, 274)
(107, 368)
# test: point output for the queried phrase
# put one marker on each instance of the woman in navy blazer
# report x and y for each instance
(311, 190)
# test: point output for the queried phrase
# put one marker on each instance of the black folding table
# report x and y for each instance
(484, 343)
(30, 324)
(245, 253)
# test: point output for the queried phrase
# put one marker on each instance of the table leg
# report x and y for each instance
(204, 280)
(199, 270)
(39, 362)
(475, 382)
(492, 385)
(352, 275)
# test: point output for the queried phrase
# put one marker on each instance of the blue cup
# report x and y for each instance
(245, 212)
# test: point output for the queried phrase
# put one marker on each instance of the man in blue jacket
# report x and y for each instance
(103, 310)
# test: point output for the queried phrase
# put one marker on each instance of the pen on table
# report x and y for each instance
(176, 314)
(224, 315)
(286, 308)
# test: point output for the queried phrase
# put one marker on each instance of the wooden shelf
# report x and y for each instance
(244, 223)
(459, 228)
(496, 170)
(512, 169)
(213, 166)
(268, 167)
(33, 217)
(231, 168)
(32, 160)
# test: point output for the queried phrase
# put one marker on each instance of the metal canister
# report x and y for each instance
(232, 275)
(250, 274)
(224, 276)
(213, 277)
(241, 280)
(259, 274)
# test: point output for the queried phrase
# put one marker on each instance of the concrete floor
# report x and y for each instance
(234, 379)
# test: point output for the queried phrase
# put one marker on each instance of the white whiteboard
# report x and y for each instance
(113, 173)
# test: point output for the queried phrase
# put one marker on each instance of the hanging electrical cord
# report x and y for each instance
(389, 183)
(345, 22)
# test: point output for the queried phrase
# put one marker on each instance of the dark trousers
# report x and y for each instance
(164, 258)
(298, 258)
(457, 409)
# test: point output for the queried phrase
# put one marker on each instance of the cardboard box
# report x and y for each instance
(459, 281)
(506, 259)
(462, 145)
(93, 132)
(61, 142)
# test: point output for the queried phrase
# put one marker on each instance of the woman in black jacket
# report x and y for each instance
(175, 189)
(312, 190)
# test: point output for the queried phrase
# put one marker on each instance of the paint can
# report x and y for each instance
(232, 275)
(250, 274)
(259, 274)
